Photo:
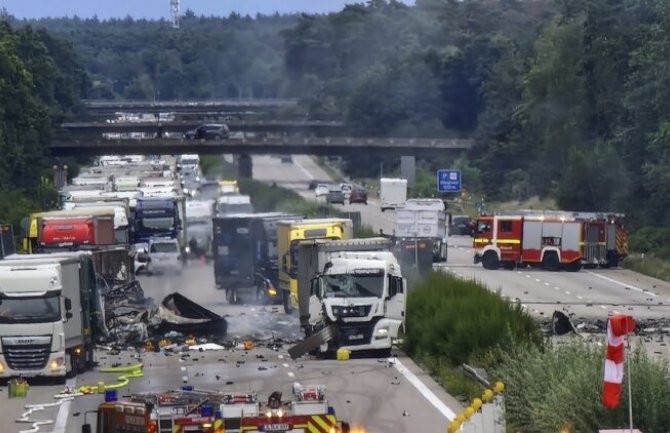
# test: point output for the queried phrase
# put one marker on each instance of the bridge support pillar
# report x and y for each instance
(244, 166)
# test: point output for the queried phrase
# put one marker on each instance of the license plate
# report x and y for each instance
(276, 427)
(356, 337)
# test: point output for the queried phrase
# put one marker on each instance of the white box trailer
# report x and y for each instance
(393, 192)
(424, 219)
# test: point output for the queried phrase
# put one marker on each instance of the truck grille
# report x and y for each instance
(27, 357)
(352, 335)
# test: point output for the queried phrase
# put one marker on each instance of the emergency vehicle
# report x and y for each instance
(309, 412)
(604, 240)
(201, 411)
(512, 240)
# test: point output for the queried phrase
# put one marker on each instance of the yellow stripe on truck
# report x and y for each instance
(497, 241)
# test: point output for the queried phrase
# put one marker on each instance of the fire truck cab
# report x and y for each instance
(309, 412)
(517, 240)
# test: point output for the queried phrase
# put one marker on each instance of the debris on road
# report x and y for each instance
(178, 313)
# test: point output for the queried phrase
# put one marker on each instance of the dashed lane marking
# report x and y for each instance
(537, 280)
(567, 292)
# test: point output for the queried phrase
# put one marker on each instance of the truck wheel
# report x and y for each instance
(490, 260)
(575, 266)
(550, 262)
(72, 365)
(231, 296)
(286, 300)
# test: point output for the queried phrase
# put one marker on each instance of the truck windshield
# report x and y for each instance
(353, 286)
(166, 223)
(34, 309)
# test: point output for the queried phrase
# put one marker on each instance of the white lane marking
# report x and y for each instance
(291, 374)
(285, 365)
(183, 368)
(304, 170)
(616, 312)
(603, 307)
(519, 272)
(612, 280)
(546, 284)
(579, 297)
(567, 292)
(527, 276)
(281, 356)
(64, 409)
(537, 280)
(423, 389)
(556, 288)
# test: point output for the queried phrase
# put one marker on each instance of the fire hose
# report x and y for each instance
(130, 372)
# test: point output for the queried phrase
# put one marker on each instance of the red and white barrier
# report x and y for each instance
(617, 328)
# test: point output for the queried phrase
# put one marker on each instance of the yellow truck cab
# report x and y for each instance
(289, 235)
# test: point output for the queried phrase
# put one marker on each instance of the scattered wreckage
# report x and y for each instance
(132, 319)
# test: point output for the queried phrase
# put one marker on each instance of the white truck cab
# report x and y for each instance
(363, 294)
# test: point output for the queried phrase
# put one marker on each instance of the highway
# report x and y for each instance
(380, 395)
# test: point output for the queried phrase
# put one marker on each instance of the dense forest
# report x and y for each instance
(564, 98)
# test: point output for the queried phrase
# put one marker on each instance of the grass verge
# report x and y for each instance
(648, 264)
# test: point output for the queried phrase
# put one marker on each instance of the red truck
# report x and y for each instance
(76, 229)
(514, 240)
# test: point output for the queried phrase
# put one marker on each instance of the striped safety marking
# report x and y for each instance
(321, 423)
(621, 242)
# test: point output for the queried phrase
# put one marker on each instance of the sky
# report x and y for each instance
(156, 9)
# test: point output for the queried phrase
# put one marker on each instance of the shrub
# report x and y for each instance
(462, 321)
(560, 386)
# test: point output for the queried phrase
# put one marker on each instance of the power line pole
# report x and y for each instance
(174, 11)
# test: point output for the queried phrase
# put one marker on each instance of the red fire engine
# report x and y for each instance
(189, 410)
(309, 412)
(512, 240)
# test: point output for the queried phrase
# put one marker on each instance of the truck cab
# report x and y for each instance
(363, 294)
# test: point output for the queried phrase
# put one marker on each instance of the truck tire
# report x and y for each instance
(550, 262)
(490, 260)
(72, 365)
(575, 266)
(286, 300)
(232, 296)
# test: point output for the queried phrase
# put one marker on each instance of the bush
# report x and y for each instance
(648, 264)
(651, 239)
(560, 386)
(267, 198)
(462, 321)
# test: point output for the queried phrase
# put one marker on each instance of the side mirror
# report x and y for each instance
(86, 428)
(68, 315)
(68, 304)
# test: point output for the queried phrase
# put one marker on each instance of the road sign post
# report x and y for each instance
(449, 180)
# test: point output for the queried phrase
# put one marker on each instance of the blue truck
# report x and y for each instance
(159, 217)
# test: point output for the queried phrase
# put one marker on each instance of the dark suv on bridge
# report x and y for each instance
(209, 131)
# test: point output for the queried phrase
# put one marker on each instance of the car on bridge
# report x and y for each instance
(209, 131)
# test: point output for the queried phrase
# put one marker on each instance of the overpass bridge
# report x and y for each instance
(219, 106)
(94, 130)
(264, 145)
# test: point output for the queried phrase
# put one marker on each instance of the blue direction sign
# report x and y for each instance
(448, 180)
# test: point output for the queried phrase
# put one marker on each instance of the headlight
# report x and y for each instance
(382, 331)
(188, 249)
(272, 291)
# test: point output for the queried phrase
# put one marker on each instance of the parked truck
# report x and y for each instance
(392, 192)
(513, 240)
(245, 255)
(351, 293)
(289, 235)
(159, 217)
(48, 309)
(68, 230)
(424, 218)
(233, 204)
